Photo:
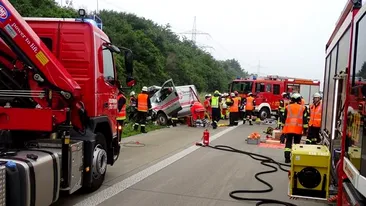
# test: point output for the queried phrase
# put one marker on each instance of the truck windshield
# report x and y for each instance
(242, 87)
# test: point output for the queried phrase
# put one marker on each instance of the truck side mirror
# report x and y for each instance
(130, 81)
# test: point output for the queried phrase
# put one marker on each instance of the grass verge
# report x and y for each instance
(128, 129)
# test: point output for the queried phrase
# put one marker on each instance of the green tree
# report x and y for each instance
(362, 72)
(158, 52)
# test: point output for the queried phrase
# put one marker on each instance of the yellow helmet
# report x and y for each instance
(216, 92)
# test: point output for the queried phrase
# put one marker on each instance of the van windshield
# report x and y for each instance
(243, 87)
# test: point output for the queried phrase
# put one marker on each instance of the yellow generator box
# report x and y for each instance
(354, 154)
(310, 171)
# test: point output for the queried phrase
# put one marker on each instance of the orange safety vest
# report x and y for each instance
(121, 114)
(142, 102)
(235, 106)
(315, 115)
(249, 105)
(294, 119)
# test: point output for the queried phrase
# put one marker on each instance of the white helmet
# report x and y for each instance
(132, 93)
(232, 94)
(316, 95)
(295, 95)
(209, 95)
(144, 89)
(284, 93)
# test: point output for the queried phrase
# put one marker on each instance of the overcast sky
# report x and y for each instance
(287, 37)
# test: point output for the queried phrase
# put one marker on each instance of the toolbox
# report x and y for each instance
(253, 141)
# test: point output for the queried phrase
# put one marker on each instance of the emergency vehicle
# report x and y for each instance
(58, 106)
(343, 113)
(268, 91)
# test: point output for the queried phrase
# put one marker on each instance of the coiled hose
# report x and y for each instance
(266, 161)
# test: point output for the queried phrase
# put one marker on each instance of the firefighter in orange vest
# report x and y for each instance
(234, 104)
(249, 108)
(295, 116)
(313, 136)
(143, 108)
(121, 115)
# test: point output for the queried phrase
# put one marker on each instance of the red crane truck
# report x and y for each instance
(343, 114)
(58, 105)
(268, 91)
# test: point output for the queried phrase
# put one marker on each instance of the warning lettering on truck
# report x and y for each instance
(42, 58)
(4, 14)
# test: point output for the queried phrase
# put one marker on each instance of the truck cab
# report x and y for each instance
(58, 95)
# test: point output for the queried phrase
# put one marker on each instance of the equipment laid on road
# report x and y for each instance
(58, 104)
(266, 161)
(310, 169)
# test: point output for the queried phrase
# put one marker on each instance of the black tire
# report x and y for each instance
(97, 180)
(162, 119)
(264, 113)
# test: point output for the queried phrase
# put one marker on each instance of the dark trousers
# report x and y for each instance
(233, 119)
(289, 138)
(216, 116)
(313, 136)
(141, 120)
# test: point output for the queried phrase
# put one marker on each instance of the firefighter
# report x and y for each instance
(249, 108)
(143, 108)
(281, 110)
(295, 116)
(302, 101)
(216, 112)
(313, 136)
(234, 109)
(121, 116)
(132, 106)
(207, 105)
(224, 106)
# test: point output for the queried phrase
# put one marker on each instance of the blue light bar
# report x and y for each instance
(94, 20)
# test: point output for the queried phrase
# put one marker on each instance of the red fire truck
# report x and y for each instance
(343, 114)
(268, 91)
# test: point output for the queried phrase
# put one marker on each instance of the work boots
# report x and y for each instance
(143, 129)
(135, 126)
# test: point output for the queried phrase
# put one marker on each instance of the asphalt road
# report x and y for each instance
(167, 169)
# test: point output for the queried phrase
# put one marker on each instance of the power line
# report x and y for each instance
(194, 32)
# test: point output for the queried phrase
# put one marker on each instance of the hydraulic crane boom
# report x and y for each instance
(28, 46)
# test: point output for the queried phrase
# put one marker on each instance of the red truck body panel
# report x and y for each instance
(78, 46)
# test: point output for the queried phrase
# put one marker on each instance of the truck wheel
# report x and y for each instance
(162, 119)
(264, 113)
(99, 167)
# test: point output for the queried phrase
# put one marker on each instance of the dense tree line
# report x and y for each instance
(158, 52)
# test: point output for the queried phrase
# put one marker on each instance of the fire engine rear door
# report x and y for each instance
(168, 98)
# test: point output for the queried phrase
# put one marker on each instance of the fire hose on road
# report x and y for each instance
(266, 161)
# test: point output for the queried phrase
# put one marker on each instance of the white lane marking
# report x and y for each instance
(136, 178)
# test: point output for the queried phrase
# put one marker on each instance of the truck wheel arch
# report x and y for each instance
(102, 125)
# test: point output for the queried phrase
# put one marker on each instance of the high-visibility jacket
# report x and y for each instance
(215, 102)
(122, 113)
(315, 115)
(249, 106)
(294, 119)
(235, 106)
(142, 101)
(283, 105)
